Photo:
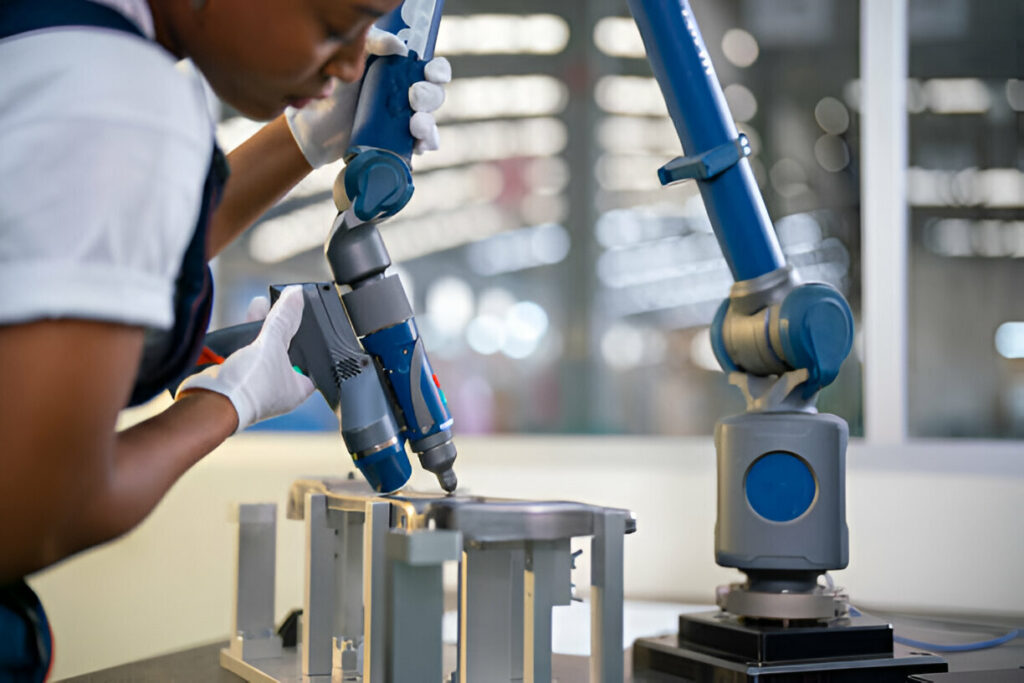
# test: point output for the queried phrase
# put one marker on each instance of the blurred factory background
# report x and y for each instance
(560, 289)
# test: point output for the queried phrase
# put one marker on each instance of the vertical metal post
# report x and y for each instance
(487, 610)
(348, 575)
(348, 590)
(417, 602)
(517, 588)
(606, 547)
(883, 55)
(375, 590)
(318, 595)
(546, 583)
(252, 628)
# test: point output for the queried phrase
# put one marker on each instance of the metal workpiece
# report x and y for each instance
(606, 595)
(546, 583)
(381, 557)
(491, 614)
(480, 519)
(348, 586)
(253, 634)
(318, 591)
(376, 575)
(414, 637)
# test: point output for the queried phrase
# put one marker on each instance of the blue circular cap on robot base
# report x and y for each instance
(780, 487)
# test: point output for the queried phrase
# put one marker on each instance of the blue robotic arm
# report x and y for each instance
(377, 177)
(771, 324)
(781, 481)
(377, 180)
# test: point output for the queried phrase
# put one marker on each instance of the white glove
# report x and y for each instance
(258, 309)
(258, 379)
(323, 128)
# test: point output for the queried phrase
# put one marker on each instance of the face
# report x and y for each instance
(263, 55)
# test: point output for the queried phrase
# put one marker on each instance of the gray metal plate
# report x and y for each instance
(480, 519)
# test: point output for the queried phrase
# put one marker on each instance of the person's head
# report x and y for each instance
(262, 55)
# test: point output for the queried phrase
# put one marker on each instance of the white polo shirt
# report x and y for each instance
(104, 149)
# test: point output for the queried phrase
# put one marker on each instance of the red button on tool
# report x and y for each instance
(437, 382)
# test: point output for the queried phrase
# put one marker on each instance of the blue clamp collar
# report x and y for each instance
(706, 165)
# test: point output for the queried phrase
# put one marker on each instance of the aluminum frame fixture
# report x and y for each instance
(373, 599)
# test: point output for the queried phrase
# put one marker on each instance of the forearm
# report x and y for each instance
(263, 169)
(78, 507)
(69, 481)
(148, 459)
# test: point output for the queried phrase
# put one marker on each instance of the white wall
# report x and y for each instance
(933, 526)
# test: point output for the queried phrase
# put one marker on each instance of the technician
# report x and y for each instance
(113, 197)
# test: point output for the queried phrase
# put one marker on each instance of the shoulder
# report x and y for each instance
(99, 75)
(106, 146)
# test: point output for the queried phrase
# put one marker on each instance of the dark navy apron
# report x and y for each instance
(26, 642)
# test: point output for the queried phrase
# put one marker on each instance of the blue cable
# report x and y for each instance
(965, 647)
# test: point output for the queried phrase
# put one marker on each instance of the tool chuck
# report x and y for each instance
(439, 459)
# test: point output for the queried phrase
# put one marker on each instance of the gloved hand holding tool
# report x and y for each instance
(259, 379)
(323, 128)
